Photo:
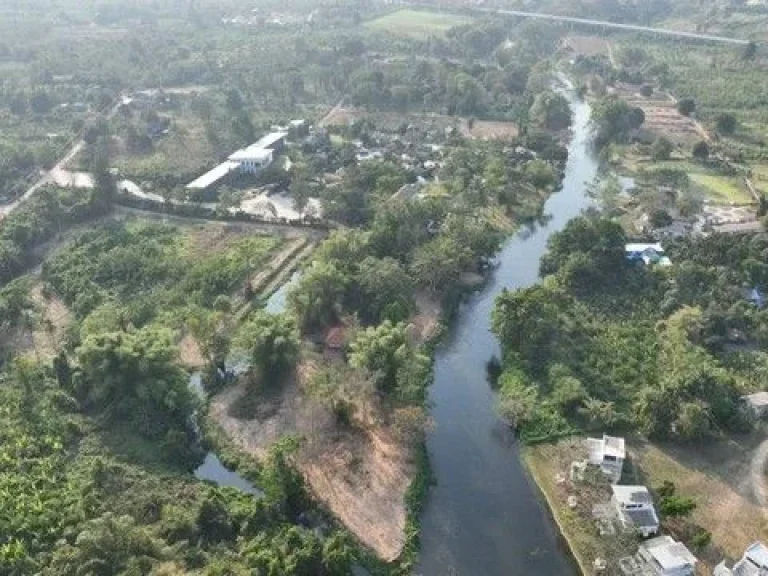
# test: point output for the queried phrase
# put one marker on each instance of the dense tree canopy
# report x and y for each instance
(601, 343)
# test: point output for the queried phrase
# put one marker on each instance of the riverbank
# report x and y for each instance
(718, 476)
(549, 467)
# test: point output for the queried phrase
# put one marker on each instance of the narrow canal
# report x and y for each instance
(485, 516)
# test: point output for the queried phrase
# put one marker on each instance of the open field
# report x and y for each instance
(722, 189)
(661, 115)
(718, 476)
(417, 23)
(587, 45)
(481, 129)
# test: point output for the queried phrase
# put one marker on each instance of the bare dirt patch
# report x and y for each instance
(481, 129)
(53, 320)
(587, 45)
(190, 354)
(427, 319)
(661, 115)
(361, 474)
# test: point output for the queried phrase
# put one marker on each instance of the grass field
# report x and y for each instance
(416, 23)
(721, 189)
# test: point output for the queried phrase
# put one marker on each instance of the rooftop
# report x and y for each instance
(668, 553)
(758, 554)
(640, 247)
(758, 399)
(250, 153)
(632, 494)
(642, 517)
(268, 140)
(213, 175)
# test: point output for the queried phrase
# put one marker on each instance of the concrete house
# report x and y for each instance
(757, 403)
(648, 254)
(753, 563)
(663, 556)
(634, 507)
(608, 453)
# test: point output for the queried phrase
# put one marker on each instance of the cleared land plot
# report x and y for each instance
(417, 23)
(185, 150)
(713, 187)
(722, 189)
(481, 129)
(360, 473)
(718, 477)
(587, 45)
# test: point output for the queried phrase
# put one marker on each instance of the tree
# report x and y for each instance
(386, 290)
(272, 342)
(602, 240)
(661, 149)
(686, 106)
(614, 120)
(108, 545)
(551, 110)
(384, 351)
(211, 331)
(132, 377)
(725, 123)
(700, 150)
(440, 262)
(676, 506)
(517, 399)
(317, 300)
(750, 50)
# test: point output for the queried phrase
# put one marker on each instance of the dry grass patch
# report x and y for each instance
(360, 472)
(717, 476)
(53, 320)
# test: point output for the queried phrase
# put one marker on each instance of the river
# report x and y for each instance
(485, 516)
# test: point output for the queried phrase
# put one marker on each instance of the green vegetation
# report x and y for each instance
(90, 507)
(416, 23)
(604, 344)
(722, 189)
(149, 272)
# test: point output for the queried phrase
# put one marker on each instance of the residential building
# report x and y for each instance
(648, 254)
(757, 402)
(634, 507)
(247, 160)
(250, 160)
(753, 563)
(663, 556)
(608, 453)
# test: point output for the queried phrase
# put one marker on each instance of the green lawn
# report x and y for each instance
(721, 189)
(417, 24)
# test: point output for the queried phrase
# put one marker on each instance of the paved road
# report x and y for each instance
(616, 25)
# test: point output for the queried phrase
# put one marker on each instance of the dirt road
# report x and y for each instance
(757, 473)
(58, 171)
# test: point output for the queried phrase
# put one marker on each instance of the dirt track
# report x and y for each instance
(757, 473)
